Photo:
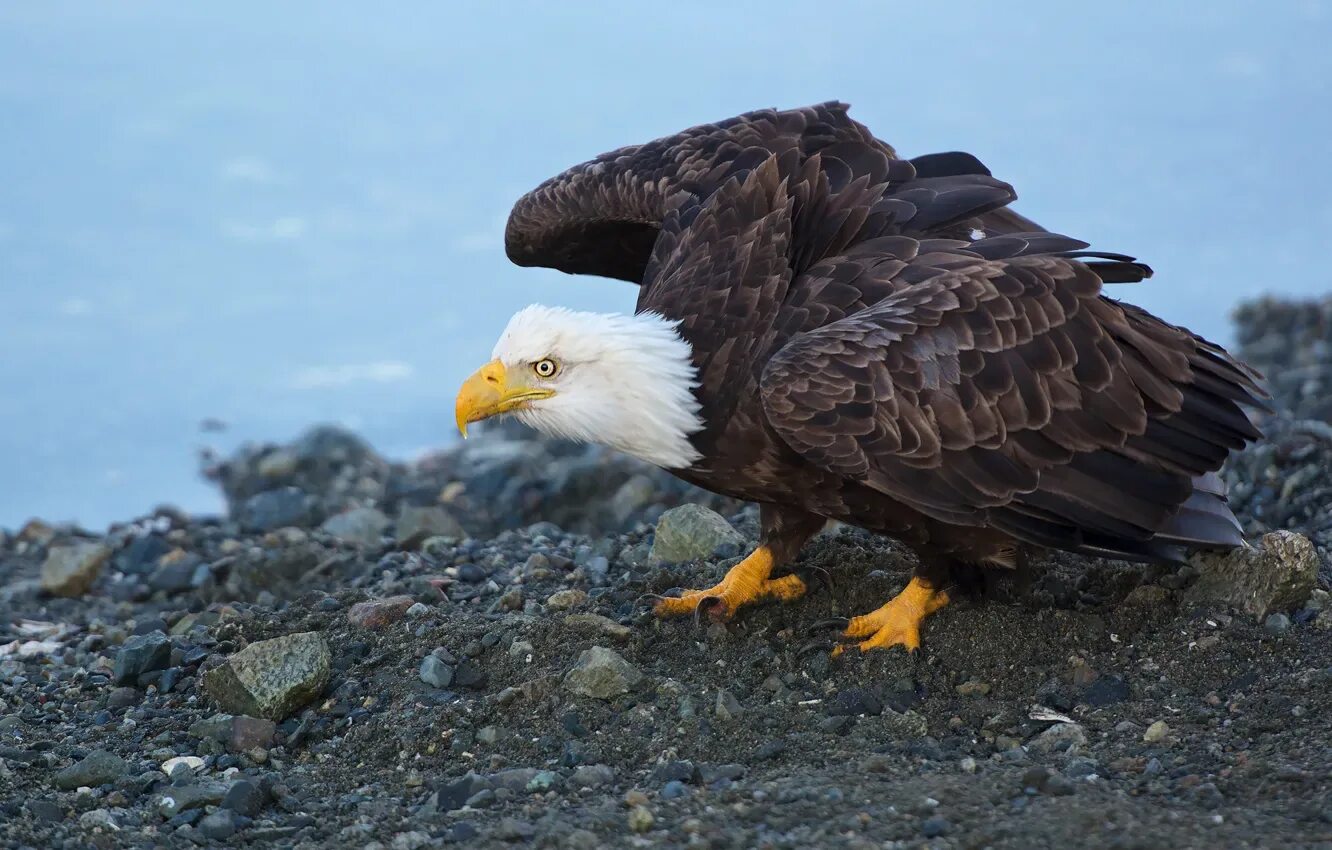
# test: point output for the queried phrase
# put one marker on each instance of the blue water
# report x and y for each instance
(280, 214)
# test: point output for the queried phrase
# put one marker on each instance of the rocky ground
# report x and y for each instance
(459, 651)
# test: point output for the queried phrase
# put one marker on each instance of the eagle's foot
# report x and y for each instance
(746, 582)
(898, 622)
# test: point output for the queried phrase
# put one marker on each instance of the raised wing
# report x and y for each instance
(1010, 393)
(603, 217)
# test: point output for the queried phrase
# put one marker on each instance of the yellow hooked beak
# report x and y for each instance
(493, 390)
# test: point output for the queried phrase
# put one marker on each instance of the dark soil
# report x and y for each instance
(1101, 705)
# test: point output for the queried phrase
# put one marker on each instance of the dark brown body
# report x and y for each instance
(882, 342)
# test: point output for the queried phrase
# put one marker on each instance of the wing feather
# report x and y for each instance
(1011, 393)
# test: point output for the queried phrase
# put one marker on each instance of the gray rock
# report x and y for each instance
(378, 613)
(416, 524)
(727, 706)
(583, 839)
(515, 779)
(413, 840)
(1059, 738)
(181, 798)
(904, 724)
(709, 774)
(470, 674)
(691, 532)
(641, 818)
(97, 768)
(141, 654)
(71, 570)
(216, 728)
(178, 575)
(521, 649)
(218, 826)
(1059, 786)
(435, 673)
(44, 811)
(591, 776)
(513, 829)
(934, 826)
(1277, 624)
(673, 790)
(483, 799)
(245, 798)
(1277, 576)
(1042, 780)
(598, 569)
(363, 526)
(602, 673)
(99, 819)
(563, 600)
(274, 509)
(453, 795)
(271, 678)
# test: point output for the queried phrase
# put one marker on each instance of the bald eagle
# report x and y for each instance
(834, 332)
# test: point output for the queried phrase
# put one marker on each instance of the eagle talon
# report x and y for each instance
(746, 582)
(896, 623)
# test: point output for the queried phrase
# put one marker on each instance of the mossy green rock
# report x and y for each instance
(692, 532)
(1278, 575)
(271, 678)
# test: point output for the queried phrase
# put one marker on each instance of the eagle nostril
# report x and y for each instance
(491, 379)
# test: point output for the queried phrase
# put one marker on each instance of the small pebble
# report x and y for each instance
(641, 819)
(934, 826)
(1158, 731)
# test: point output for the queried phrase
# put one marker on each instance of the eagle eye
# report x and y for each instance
(545, 368)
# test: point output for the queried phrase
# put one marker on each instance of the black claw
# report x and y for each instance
(652, 598)
(839, 623)
(710, 604)
(813, 646)
(825, 576)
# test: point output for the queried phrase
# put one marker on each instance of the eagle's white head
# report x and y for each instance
(626, 382)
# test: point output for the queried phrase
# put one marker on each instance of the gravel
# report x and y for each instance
(316, 680)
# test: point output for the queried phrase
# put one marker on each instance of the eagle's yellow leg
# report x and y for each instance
(898, 622)
(746, 582)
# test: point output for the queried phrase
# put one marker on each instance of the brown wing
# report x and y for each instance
(603, 217)
(1010, 393)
